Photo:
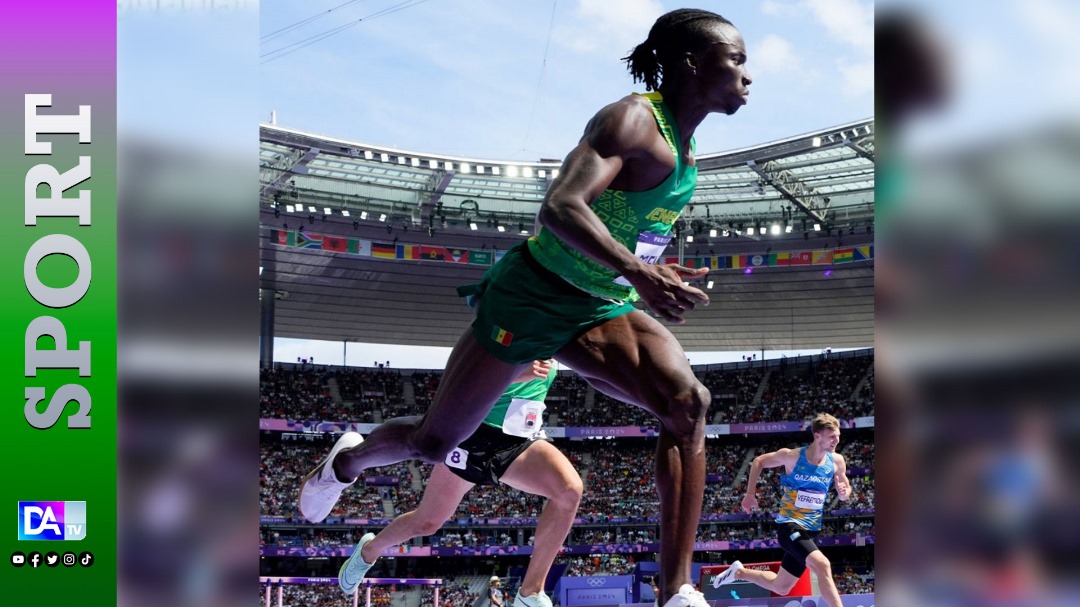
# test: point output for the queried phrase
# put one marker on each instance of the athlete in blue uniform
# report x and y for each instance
(810, 471)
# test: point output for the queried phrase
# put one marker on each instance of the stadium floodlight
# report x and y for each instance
(762, 230)
(541, 173)
(775, 229)
(817, 227)
(727, 233)
(363, 214)
(527, 172)
(401, 160)
(816, 142)
(511, 171)
(496, 171)
(290, 208)
(465, 167)
(689, 238)
(449, 166)
(382, 216)
(344, 212)
(368, 154)
(327, 211)
(521, 227)
(787, 229)
(433, 164)
(709, 286)
(311, 209)
(502, 228)
(472, 225)
(712, 233)
(385, 157)
(416, 162)
(554, 173)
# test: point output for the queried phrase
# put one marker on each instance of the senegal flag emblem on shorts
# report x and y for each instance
(502, 336)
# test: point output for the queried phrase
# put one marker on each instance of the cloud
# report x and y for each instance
(595, 26)
(778, 9)
(858, 78)
(774, 55)
(847, 21)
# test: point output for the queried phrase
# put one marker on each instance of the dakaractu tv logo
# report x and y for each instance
(52, 521)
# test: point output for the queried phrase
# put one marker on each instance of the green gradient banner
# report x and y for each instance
(58, 310)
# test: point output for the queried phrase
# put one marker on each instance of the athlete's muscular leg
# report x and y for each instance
(821, 567)
(442, 495)
(544, 470)
(780, 583)
(636, 356)
(472, 382)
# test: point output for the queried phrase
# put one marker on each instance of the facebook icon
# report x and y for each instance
(52, 521)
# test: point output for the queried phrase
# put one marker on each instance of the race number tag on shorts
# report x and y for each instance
(457, 458)
(523, 417)
(649, 249)
(810, 500)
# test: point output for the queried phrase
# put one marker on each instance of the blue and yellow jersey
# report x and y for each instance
(804, 492)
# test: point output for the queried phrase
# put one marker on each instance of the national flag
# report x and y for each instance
(864, 253)
(308, 241)
(823, 258)
(844, 255)
(499, 255)
(716, 262)
(480, 257)
(757, 260)
(383, 250)
(674, 260)
(458, 255)
(334, 243)
(780, 259)
(283, 238)
(502, 336)
(433, 253)
(738, 261)
(691, 262)
(408, 251)
(359, 247)
(800, 258)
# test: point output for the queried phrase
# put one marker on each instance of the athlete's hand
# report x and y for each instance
(662, 287)
(539, 369)
(843, 491)
(749, 503)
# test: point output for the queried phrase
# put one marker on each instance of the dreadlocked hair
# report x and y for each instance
(674, 33)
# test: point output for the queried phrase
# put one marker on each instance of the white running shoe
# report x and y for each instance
(320, 489)
(727, 576)
(355, 568)
(687, 597)
(533, 600)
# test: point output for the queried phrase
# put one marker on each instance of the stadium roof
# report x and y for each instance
(350, 190)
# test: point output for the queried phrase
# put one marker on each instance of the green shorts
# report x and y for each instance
(525, 312)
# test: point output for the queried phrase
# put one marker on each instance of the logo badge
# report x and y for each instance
(52, 559)
(18, 559)
(52, 521)
(86, 559)
(69, 559)
(35, 559)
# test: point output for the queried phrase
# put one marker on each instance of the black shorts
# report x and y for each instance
(797, 543)
(485, 456)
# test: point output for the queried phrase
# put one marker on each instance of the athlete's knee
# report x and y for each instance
(427, 526)
(431, 448)
(569, 495)
(819, 564)
(687, 409)
(783, 585)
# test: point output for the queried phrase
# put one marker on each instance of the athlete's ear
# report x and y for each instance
(690, 63)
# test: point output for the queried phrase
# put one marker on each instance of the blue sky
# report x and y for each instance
(468, 77)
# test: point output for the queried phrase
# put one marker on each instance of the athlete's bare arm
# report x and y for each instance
(782, 457)
(843, 485)
(623, 132)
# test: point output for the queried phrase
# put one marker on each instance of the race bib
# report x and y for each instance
(523, 418)
(649, 249)
(457, 458)
(810, 500)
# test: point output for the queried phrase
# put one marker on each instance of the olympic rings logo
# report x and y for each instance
(596, 582)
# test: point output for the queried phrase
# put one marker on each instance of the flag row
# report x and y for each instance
(486, 257)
